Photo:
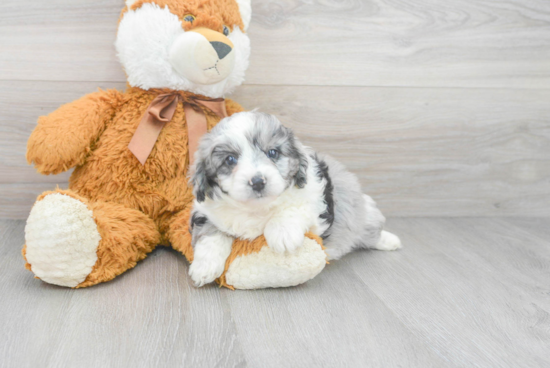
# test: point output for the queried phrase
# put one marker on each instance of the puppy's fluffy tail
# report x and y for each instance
(374, 223)
(388, 241)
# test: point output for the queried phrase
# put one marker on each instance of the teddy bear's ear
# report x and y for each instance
(129, 3)
(246, 11)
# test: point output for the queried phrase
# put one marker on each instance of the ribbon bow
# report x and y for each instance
(162, 110)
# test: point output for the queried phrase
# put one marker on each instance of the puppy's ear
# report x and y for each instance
(200, 181)
(301, 176)
(299, 156)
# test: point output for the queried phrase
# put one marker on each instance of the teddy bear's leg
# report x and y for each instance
(252, 264)
(177, 232)
(73, 242)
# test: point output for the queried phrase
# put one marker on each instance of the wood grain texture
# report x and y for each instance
(149, 318)
(532, 226)
(17, 199)
(332, 321)
(418, 152)
(428, 152)
(469, 292)
(469, 286)
(458, 43)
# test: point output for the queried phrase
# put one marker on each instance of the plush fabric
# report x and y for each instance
(147, 47)
(117, 210)
(213, 14)
(135, 206)
(264, 268)
(62, 240)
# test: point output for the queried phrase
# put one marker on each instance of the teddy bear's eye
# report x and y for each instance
(189, 18)
(225, 31)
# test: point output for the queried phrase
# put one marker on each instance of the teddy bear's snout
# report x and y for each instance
(221, 48)
(203, 56)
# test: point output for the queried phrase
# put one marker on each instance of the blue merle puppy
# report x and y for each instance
(252, 176)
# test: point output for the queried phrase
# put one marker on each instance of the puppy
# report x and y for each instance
(252, 176)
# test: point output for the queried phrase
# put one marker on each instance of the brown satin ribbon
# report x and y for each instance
(162, 110)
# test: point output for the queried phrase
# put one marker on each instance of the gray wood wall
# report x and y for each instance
(441, 107)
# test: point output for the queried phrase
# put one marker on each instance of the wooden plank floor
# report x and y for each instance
(468, 292)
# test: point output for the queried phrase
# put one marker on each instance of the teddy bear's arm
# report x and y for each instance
(232, 107)
(64, 138)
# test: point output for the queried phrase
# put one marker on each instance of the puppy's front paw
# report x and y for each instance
(205, 271)
(283, 237)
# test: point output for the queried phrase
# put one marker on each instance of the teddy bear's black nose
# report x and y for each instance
(257, 183)
(221, 48)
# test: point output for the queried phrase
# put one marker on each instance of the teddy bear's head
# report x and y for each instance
(198, 46)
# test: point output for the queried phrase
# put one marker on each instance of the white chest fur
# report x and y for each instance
(248, 220)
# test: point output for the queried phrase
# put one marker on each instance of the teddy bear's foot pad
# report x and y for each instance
(61, 240)
(269, 269)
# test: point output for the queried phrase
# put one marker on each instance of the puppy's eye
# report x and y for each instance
(274, 154)
(189, 18)
(231, 160)
(225, 31)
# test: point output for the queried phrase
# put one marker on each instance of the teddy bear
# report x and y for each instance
(132, 151)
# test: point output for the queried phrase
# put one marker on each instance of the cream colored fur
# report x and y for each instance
(246, 12)
(62, 240)
(244, 7)
(270, 269)
(145, 39)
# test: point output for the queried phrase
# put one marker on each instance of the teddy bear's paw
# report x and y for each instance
(270, 269)
(281, 236)
(62, 240)
(205, 271)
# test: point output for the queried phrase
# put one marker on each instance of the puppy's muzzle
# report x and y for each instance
(257, 183)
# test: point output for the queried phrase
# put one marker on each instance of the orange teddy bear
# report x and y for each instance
(131, 152)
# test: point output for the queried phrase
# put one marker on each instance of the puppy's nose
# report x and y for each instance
(257, 183)
(222, 49)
